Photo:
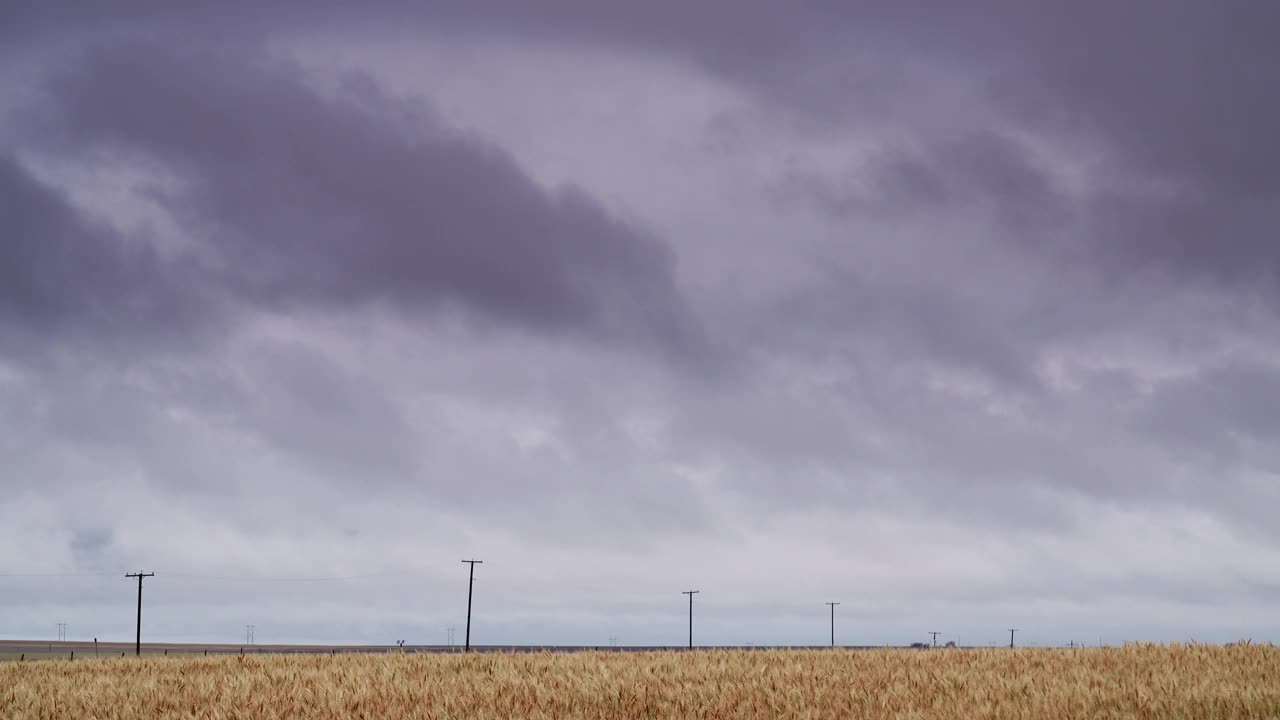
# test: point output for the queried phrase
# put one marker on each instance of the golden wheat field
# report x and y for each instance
(1137, 681)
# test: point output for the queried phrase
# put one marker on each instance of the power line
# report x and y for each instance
(137, 646)
(470, 586)
(199, 576)
(260, 578)
(690, 593)
(54, 575)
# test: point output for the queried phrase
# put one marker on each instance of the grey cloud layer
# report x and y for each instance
(59, 270)
(1176, 96)
(299, 199)
(992, 289)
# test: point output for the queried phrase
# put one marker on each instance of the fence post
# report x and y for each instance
(73, 654)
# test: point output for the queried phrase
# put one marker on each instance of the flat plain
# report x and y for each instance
(1135, 681)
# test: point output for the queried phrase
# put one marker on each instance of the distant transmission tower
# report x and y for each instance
(62, 632)
(248, 634)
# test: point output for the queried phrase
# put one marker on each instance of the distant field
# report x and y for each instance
(1131, 682)
(33, 650)
(51, 650)
(46, 650)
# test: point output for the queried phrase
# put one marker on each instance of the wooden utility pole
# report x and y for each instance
(470, 585)
(137, 646)
(833, 622)
(690, 593)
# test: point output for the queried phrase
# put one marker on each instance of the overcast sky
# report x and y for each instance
(963, 315)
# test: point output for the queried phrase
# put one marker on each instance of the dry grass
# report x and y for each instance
(1133, 682)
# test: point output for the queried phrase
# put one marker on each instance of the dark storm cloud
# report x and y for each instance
(1176, 98)
(44, 244)
(1179, 98)
(298, 199)
(1176, 94)
(59, 270)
